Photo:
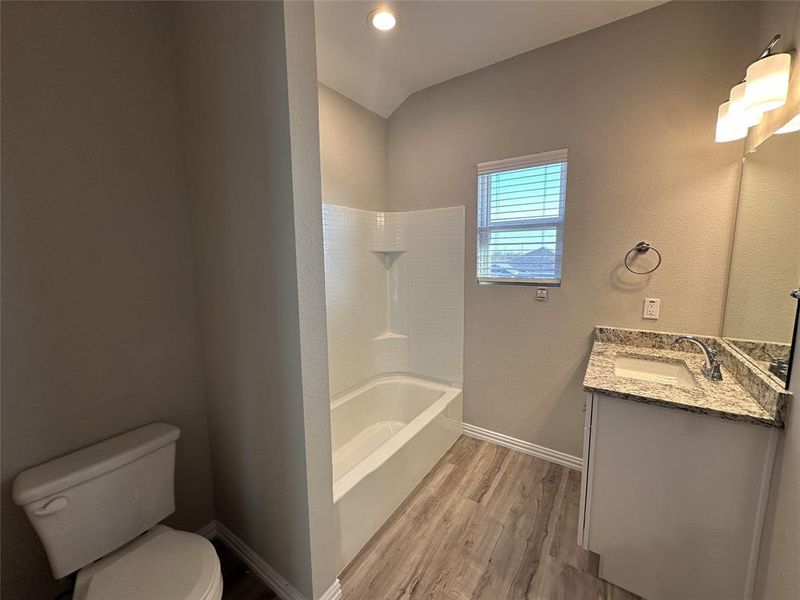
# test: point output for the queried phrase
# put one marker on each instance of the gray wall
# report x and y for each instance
(635, 103)
(304, 127)
(241, 116)
(98, 307)
(779, 575)
(353, 152)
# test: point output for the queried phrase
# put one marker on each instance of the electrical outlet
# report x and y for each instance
(651, 308)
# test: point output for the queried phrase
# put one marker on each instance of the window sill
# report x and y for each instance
(527, 282)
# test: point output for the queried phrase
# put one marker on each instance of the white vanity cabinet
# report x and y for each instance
(673, 501)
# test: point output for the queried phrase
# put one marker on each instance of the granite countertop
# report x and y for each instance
(742, 395)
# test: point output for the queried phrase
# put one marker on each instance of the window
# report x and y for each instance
(521, 219)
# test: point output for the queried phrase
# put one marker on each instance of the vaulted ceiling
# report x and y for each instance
(436, 40)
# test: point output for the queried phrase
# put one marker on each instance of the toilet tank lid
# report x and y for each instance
(92, 461)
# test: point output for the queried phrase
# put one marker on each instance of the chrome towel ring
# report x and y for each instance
(642, 248)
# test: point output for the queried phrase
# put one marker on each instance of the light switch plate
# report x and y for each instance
(652, 306)
(541, 293)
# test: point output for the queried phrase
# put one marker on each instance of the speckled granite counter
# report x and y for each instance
(762, 353)
(745, 394)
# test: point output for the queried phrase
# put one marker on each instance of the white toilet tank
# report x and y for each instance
(87, 504)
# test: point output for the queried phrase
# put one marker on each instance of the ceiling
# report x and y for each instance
(436, 40)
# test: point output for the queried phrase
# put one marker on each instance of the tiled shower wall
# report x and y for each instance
(436, 293)
(395, 294)
(355, 291)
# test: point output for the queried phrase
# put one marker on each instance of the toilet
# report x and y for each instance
(97, 511)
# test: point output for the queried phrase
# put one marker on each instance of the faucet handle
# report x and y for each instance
(713, 371)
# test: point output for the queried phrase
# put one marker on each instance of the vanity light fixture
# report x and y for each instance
(768, 81)
(791, 126)
(382, 19)
(764, 88)
(739, 111)
(729, 128)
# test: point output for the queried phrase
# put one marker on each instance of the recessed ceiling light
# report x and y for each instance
(382, 19)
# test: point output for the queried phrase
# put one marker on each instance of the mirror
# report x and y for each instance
(760, 312)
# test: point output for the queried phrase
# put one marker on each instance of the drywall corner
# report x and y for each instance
(252, 161)
(307, 199)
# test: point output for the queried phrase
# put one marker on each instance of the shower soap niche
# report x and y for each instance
(389, 335)
(388, 258)
(390, 351)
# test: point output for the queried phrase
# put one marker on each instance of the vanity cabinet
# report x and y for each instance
(673, 501)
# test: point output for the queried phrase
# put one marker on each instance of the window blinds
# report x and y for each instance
(521, 219)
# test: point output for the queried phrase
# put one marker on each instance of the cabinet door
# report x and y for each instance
(673, 499)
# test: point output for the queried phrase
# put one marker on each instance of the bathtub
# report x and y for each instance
(386, 436)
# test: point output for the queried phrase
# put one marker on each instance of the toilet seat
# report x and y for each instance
(164, 563)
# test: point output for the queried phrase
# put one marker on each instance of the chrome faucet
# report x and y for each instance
(711, 370)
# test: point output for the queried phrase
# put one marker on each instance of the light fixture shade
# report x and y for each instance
(728, 128)
(767, 83)
(737, 109)
(792, 125)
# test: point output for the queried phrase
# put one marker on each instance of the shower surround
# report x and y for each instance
(395, 301)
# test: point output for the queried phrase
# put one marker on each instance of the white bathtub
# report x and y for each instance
(386, 436)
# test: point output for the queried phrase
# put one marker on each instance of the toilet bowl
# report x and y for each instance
(97, 512)
(163, 563)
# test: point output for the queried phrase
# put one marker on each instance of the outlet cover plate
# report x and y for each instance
(652, 306)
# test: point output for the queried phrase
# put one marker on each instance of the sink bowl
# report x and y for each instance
(655, 371)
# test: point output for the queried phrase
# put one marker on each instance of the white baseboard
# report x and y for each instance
(334, 592)
(209, 530)
(276, 582)
(554, 456)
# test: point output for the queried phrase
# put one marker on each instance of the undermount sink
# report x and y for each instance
(655, 371)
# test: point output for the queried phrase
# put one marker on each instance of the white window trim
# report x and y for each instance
(510, 164)
(530, 160)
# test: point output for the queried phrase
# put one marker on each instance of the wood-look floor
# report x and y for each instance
(487, 523)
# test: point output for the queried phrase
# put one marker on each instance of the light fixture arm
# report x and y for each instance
(768, 50)
(765, 53)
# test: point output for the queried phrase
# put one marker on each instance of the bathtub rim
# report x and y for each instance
(374, 461)
(399, 377)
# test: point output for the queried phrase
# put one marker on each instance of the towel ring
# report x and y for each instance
(642, 248)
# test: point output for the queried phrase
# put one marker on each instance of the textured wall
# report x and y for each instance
(301, 71)
(246, 130)
(778, 576)
(765, 262)
(353, 153)
(635, 103)
(98, 307)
